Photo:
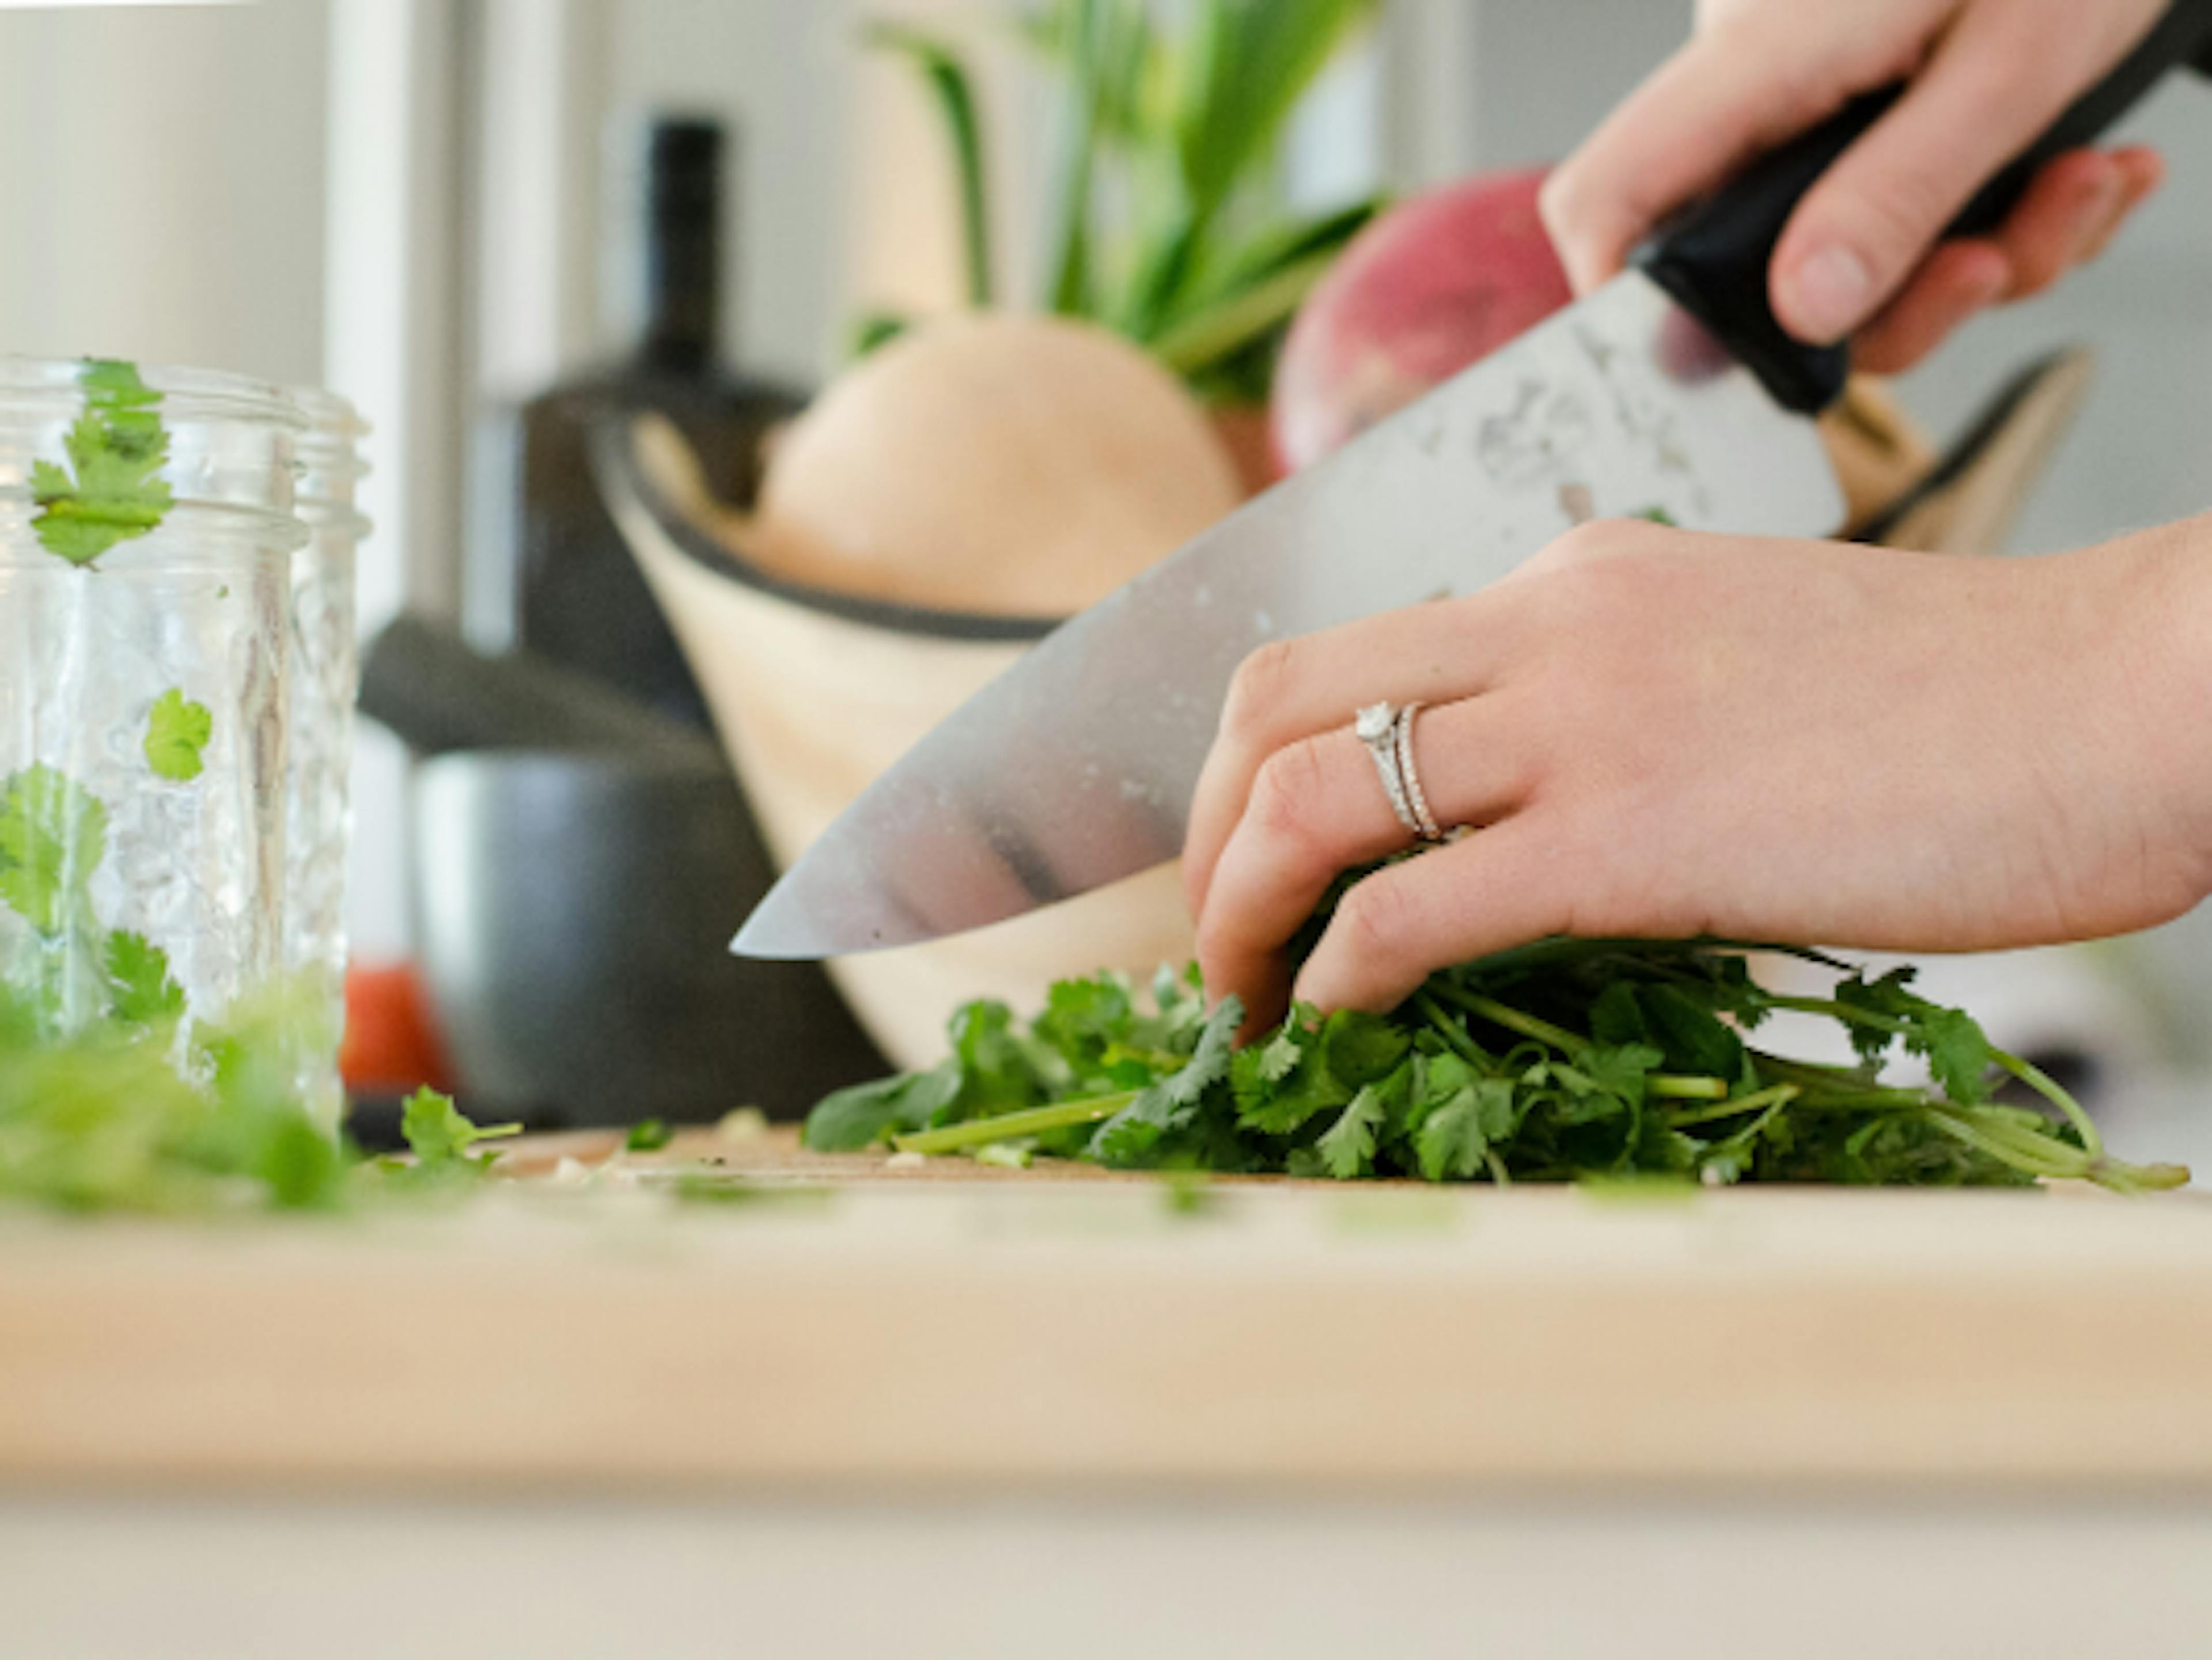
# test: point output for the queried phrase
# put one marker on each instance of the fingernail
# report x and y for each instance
(1829, 292)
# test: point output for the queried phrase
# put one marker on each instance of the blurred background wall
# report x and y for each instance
(406, 199)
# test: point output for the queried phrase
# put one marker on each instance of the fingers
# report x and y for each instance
(2142, 171)
(1499, 887)
(1723, 98)
(1316, 808)
(1960, 279)
(2070, 213)
(1995, 81)
(1297, 689)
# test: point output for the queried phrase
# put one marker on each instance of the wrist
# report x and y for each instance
(2153, 635)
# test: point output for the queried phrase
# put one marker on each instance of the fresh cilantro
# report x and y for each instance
(1347, 1147)
(864, 1114)
(141, 989)
(1606, 1061)
(1132, 1135)
(649, 1135)
(53, 835)
(439, 1136)
(177, 730)
(111, 488)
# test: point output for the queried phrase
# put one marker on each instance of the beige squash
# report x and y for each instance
(1020, 466)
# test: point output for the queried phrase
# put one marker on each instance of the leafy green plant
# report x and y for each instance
(177, 731)
(1165, 225)
(1569, 1060)
(112, 490)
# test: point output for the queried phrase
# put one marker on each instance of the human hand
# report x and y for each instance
(1660, 733)
(1859, 257)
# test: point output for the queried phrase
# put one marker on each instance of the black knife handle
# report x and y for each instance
(1714, 259)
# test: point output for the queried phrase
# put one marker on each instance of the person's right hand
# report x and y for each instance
(1860, 256)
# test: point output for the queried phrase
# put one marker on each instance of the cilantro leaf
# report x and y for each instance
(1361, 1048)
(53, 835)
(177, 730)
(1620, 1070)
(1690, 1036)
(1957, 1052)
(439, 1136)
(996, 1071)
(862, 1114)
(1456, 1138)
(118, 447)
(1131, 1136)
(1347, 1147)
(140, 988)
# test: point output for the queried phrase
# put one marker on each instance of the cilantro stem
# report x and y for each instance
(1671, 1085)
(1759, 1100)
(1454, 1033)
(1503, 1014)
(1008, 1125)
(2029, 1074)
(2049, 1088)
(2048, 1158)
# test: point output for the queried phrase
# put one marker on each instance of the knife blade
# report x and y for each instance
(1673, 387)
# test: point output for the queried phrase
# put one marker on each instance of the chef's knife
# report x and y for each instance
(1673, 387)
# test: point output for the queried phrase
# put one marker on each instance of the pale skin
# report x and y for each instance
(1657, 733)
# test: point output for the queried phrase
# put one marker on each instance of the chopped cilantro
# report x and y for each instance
(177, 730)
(649, 1135)
(53, 835)
(112, 490)
(141, 989)
(439, 1136)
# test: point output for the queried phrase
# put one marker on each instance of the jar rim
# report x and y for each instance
(39, 384)
(328, 450)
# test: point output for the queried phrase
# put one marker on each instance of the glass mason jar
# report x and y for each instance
(146, 531)
(326, 684)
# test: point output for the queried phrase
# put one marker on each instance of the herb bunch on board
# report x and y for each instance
(1568, 1060)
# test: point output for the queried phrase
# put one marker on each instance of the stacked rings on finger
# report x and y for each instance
(1389, 735)
(1409, 778)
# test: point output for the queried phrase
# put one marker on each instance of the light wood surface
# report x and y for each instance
(874, 1325)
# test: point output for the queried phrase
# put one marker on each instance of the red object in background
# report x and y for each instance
(1436, 283)
(391, 1044)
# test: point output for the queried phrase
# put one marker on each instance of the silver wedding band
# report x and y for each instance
(1389, 735)
(1424, 823)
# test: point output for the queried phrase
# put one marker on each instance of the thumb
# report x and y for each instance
(1995, 82)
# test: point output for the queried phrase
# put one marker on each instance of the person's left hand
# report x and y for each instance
(1661, 734)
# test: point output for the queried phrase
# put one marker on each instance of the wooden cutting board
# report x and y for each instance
(856, 1323)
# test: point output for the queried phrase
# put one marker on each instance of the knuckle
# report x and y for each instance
(1560, 200)
(1375, 921)
(1285, 793)
(1895, 223)
(1257, 690)
(1587, 543)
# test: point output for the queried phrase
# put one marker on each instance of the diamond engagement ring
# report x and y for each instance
(1423, 822)
(1378, 726)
